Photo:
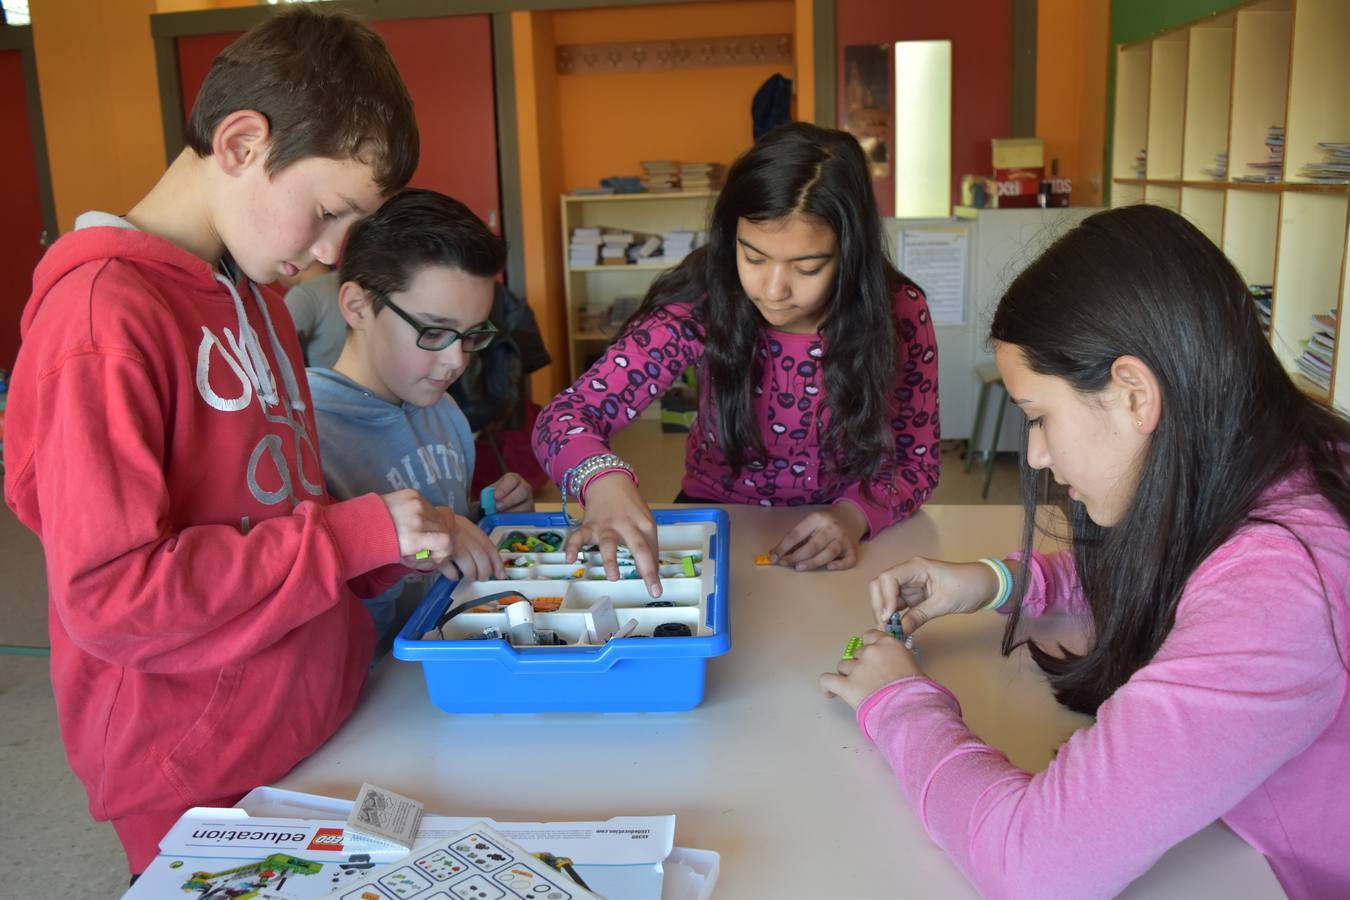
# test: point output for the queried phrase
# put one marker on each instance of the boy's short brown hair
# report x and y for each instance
(328, 87)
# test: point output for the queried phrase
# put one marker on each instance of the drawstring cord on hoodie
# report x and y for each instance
(250, 353)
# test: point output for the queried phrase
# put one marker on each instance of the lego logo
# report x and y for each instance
(327, 839)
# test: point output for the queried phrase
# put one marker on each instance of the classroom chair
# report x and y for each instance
(987, 372)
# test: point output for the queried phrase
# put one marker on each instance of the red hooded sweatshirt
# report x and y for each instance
(205, 628)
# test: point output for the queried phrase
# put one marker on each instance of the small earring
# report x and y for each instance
(1139, 423)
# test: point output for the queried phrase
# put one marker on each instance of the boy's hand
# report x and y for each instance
(615, 514)
(878, 662)
(827, 537)
(421, 528)
(474, 557)
(513, 494)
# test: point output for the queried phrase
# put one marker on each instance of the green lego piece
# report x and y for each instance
(852, 646)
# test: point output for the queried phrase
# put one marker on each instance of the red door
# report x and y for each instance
(21, 225)
(447, 65)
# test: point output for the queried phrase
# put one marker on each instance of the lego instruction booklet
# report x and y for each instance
(287, 853)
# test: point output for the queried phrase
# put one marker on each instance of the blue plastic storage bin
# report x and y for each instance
(633, 674)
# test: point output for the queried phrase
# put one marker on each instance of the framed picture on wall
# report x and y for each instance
(866, 111)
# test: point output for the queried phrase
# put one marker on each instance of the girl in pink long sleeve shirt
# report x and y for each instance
(817, 363)
(1209, 506)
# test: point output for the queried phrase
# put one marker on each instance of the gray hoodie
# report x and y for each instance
(369, 445)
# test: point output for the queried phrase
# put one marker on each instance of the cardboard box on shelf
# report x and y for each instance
(1019, 169)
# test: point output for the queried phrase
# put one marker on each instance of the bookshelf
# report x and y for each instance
(598, 286)
(1219, 85)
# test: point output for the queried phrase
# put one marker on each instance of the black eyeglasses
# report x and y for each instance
(438, 337)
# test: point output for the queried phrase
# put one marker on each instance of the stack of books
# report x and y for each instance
(1271, 171)
(622, 184)
(584, 248)
(1261, 295)
(701, 176)
(660, 176)
(1334, 167)
(645, 250)
(614, 247)
(1141, 163)
(618, 313)
(1220, 170)
(676, 245)
(1318, 350)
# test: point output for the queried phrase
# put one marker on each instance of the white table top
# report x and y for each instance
(766, 772)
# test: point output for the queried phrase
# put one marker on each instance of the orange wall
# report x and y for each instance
(1072, 37)
(576, 129)
(100, 102)
(612, 121)
(804, 47)
(100, 99)
(537, 126)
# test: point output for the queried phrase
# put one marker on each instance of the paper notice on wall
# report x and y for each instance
(937, 260)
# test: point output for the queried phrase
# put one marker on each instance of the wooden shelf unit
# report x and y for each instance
(1217, 85)
(601, 285)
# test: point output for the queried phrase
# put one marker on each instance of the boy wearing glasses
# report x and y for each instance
(417, 282)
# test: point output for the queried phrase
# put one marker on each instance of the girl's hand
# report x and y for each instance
(924, 589)
(878, 662)
(513, 494)
(615, 514)
(827, 537)
(421, 527)
(474, 558)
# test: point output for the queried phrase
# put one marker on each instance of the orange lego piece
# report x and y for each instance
(763, 559)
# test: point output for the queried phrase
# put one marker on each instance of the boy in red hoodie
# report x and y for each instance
(205, 628)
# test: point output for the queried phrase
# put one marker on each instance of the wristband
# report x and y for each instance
(1005, 581)
(575, 479)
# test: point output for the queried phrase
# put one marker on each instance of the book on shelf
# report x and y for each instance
(1315, 362)
(583, 249)
(1219, 171)
(1334, 167)
(679, 243)
(619, 312)
(622, 184)
(701, 176)
(1262, 295)
(1271, 169)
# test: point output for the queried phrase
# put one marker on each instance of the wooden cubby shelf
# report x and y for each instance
(1226, 87)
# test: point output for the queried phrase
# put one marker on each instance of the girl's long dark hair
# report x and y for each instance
(799, 168)
(1142, 281)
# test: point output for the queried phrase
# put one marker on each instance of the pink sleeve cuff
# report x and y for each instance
(1034, 602)
(578, 448)
(877, 519)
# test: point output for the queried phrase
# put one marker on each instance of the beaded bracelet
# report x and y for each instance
(1005, 581)
(576, 479)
